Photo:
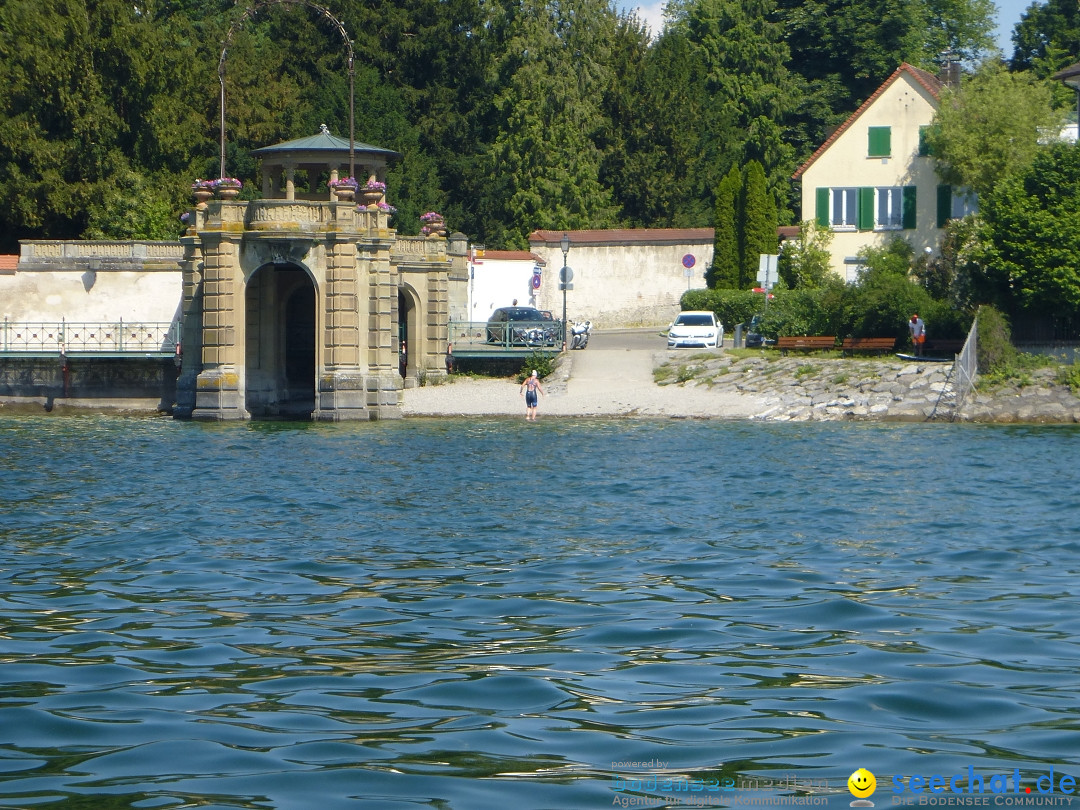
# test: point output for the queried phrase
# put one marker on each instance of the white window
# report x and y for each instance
(964, 202)
(844, 207)
(889, 208)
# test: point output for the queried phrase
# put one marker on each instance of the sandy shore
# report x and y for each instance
(593, 382)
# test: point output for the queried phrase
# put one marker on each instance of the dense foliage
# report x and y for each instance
(510, 116)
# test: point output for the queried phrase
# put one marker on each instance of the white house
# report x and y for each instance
(873, 179)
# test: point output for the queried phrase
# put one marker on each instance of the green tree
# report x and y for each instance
(743, 56)
(544, 151)
(885, 295)
(846, 48)
(758, 223)
(1031, 242)
(990, 127)
(724, 272)
(962, 27)
(60, 136)
(1046, 27)
(805, 261)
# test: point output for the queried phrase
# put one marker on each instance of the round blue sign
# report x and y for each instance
(688, 261)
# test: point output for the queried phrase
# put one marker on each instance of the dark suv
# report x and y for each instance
(521, 326)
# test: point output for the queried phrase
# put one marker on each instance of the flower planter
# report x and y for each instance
(201, 195)
(344, 193)
(228, 192)
(370, 197)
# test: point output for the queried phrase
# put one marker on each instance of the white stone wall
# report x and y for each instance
(90, 296)
(93, 282)
(622, 285)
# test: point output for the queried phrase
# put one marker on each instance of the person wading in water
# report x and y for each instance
(530, 388)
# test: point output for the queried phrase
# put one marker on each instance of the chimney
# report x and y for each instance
(949, 74)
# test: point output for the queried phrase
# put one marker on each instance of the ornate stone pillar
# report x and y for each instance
(384, 382)
(219, 389)
(191, 330)
(341, 385)
(437, 323)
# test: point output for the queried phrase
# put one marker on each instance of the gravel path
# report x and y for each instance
(589, 382)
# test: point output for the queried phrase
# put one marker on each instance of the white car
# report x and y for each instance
(695, 328)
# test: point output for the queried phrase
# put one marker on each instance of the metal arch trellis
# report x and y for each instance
(250, 11)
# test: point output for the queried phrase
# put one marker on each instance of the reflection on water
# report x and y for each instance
(478, 614)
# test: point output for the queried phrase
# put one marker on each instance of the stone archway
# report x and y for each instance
(411, 338)
(281, 324)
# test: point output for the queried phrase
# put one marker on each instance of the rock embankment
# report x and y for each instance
(809, 388)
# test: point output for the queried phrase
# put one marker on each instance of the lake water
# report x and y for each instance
(490, 614)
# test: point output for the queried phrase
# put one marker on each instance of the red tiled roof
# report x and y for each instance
(9, 262)
(1071, 72)
(510, 255)
(929, 82)
(622, 236)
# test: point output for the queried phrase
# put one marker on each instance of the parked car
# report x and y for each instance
(521, 326)
(695, 328)
(754, 338)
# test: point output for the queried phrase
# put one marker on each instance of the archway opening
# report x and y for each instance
(281, 344)
(403, 334)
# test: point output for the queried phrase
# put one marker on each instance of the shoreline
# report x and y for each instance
(705, 385)
(714, 385)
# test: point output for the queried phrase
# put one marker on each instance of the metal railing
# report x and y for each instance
(966, 367)
(506, 334)
(95, 338)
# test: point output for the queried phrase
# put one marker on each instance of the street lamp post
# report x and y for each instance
(564, 282)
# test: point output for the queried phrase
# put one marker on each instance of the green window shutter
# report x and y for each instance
(865, 221)
(821, 210)
(944, 205)
(880, 142)
(908, 219)
(924, 147)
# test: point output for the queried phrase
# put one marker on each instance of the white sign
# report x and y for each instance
(766, 274)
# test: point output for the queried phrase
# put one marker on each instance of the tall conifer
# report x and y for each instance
(724, 272)
(758, 223)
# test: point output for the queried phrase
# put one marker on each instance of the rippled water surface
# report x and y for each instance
(487, 614)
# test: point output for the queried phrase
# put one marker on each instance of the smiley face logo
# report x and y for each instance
(862, 783)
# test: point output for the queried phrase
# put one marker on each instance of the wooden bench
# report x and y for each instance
(806, 344)
(881, 345)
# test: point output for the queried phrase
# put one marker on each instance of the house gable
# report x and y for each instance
(871, 180)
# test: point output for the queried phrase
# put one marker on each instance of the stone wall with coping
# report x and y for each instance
(93, 282)
(623, 278)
